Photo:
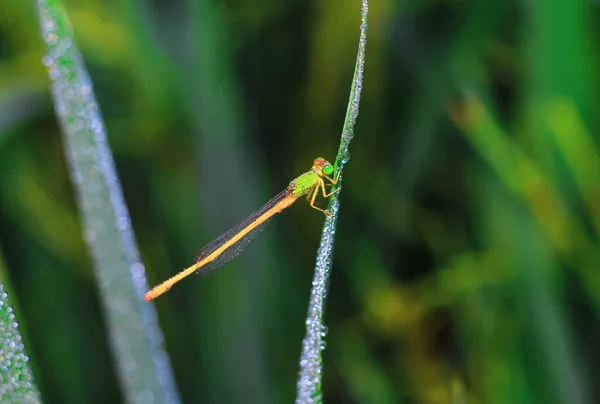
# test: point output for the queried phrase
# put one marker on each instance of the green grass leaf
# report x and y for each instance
(16, 380)
(141, 362)
(311, 361)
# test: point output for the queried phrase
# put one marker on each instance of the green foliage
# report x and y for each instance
(143, 368)
(466, 253)
(16, 381)
(311, 359)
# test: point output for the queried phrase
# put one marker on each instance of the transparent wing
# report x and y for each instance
(230, 253)
(231, 243)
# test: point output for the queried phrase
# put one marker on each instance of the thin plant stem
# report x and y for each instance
(311, 361)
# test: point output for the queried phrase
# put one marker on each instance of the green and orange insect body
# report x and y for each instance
(304, 183)
(230, 244)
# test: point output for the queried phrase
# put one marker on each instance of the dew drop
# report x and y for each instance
(47, 61)
(51, 38)
(123, 222)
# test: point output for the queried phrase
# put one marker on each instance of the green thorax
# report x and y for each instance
(304, 183)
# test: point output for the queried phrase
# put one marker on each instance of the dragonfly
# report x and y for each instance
(231, 243)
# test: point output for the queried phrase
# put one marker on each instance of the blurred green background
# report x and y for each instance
(467, 267)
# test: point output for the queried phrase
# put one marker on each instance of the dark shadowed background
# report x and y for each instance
(467, 267)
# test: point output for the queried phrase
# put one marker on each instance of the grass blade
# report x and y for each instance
(16, 380)
(142, 364)
(311, 361)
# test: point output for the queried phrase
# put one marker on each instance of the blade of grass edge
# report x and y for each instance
(311, 361)
(142, 364)
(16, 378)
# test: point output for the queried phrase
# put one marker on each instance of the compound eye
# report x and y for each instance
(328, 169)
